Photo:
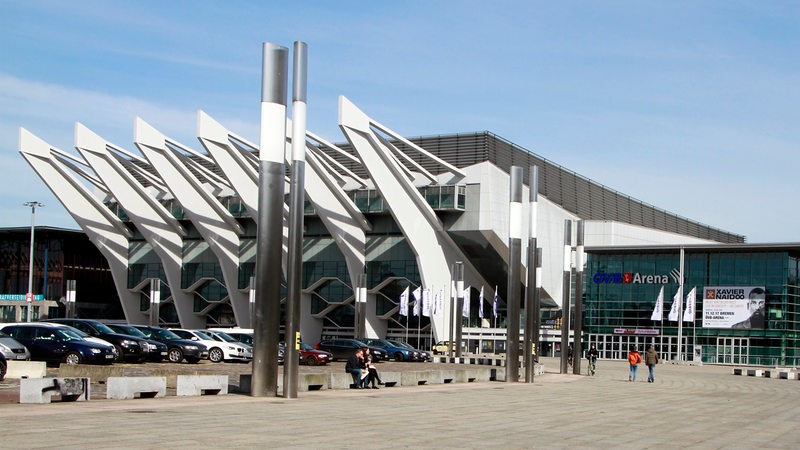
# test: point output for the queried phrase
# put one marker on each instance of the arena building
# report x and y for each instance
(178, 222)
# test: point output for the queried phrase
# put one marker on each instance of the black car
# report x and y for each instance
(3, 367)
(345, 348)
(55, 343)
(156, 350)
(128, 348)
(177, 349)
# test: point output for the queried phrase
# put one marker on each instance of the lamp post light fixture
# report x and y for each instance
(29, 296)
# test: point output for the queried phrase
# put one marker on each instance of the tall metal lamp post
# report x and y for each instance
(29, 296)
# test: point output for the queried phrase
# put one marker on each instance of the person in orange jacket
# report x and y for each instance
(634, 358)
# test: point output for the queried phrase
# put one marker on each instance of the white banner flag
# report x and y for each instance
(426, 303)
(467, 300)
(438, 303)
(404, 303)
(676, 303)
(494, 303)
(417, 293)
(658, 311)
(480, 304)
(688, 313)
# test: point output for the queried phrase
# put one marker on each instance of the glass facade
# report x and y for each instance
(622, 287)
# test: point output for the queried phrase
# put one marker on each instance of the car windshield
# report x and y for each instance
(67, 334)
(401, 345)
(224, 336)
(305, 346)
(164, 334)
(3, 334)
(127, 329)
(101, 327)
(203, 337)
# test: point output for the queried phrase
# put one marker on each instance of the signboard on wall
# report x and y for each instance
(735, 307)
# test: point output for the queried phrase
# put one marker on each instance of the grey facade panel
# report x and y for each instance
(575, 193)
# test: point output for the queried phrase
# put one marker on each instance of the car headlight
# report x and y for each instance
(128, 343)
(232, 348)
(191, 347)
(96, 351)
(5, 349)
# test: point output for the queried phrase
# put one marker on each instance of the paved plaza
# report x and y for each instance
(687, 407)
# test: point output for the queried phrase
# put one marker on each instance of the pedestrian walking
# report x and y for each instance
(634, 358)
(651, 359)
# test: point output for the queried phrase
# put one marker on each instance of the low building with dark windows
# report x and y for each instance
(739, 303)
(59, 255)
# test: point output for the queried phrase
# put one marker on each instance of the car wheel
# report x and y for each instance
(72, 358)
(119, 355)
(193, 360)
(216, 355)
(311, 361)
(175, 355)
(398, 357)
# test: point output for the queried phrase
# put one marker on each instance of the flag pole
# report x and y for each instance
(680, 312)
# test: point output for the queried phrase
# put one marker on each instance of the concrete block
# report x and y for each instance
(472, 375)
(26, 369)
(390, 379)
(340, 380)
(738, 371)
(787, 375)
(196, 385)
(758, 373)
(414, 378)
(42, 390)
(312, 382)
(447, 376)
(122, 388)
(98, 373)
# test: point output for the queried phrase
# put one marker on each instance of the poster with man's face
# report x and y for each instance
(737, 307)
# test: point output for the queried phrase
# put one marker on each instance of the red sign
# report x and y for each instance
(29, 297)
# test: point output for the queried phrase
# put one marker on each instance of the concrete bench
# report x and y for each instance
(738, 371)
(758, 373)
(196, 385)
(787, 375)
(122, 388)
(26, 369)
(340, 380)
(42, 390)
(414, 378)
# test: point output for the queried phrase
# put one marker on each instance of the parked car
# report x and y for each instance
(3, 367)
(156, 350)
(241, 352)
(245, 336)
(217, 351)
(177, 349)
(345, 348)
(127, 348)
(13, 350)
(56, 343)
(313, 357)
(423, 355)
(397, 352)
(443, 347)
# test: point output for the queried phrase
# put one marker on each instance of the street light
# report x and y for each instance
(29, 296)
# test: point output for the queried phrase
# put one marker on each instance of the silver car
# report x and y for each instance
(12, 349)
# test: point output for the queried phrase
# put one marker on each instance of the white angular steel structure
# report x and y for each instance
(400, 211)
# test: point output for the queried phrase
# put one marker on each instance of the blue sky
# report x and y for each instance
(691, 106)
